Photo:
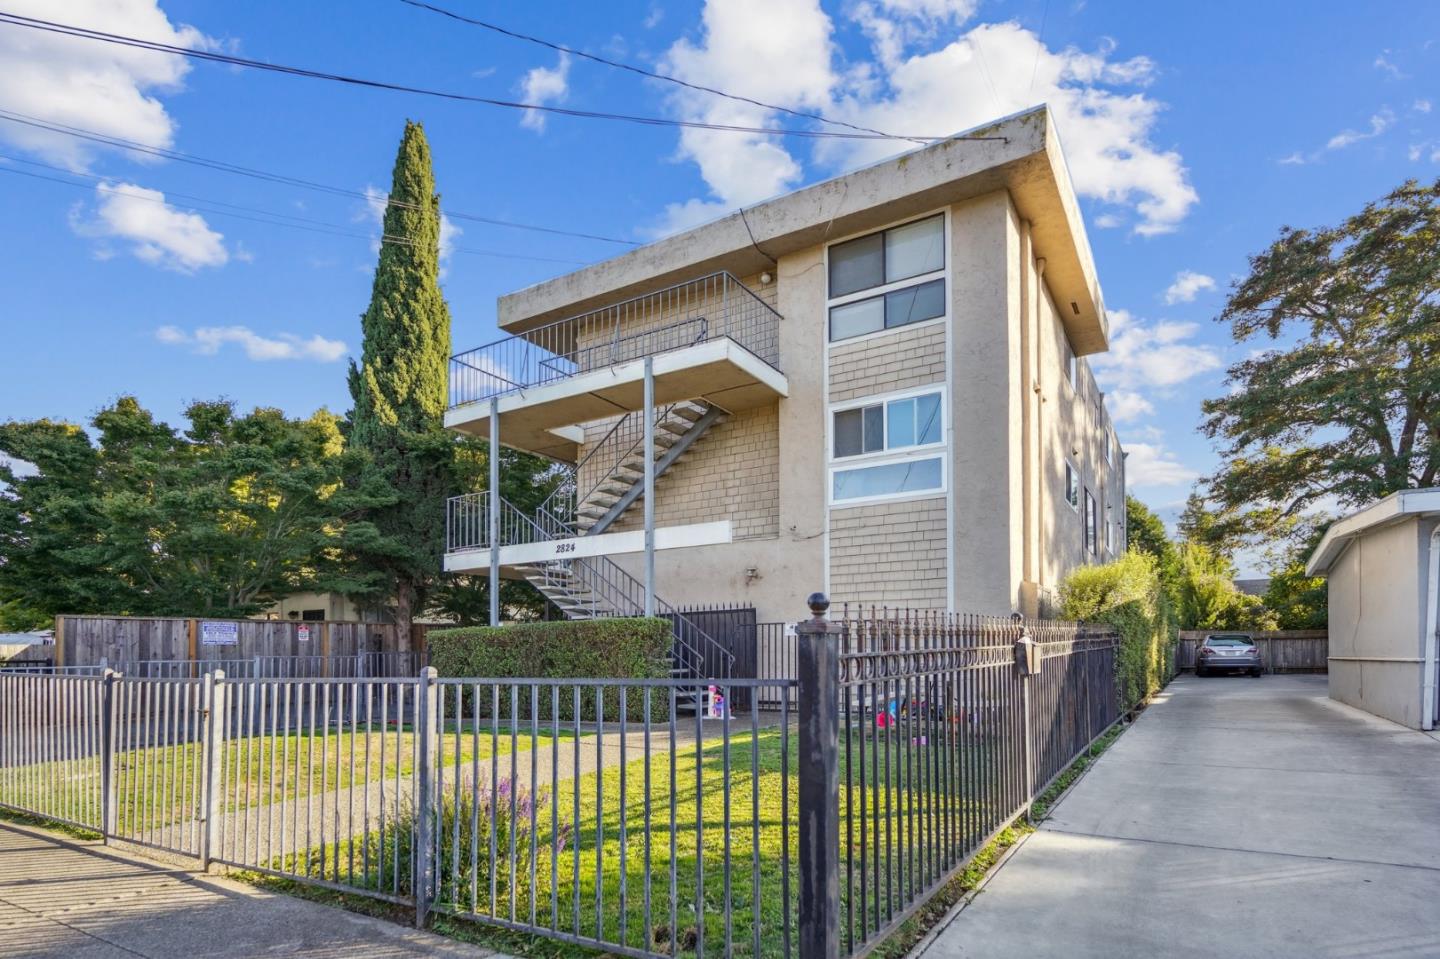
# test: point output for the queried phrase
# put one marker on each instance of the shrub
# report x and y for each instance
(1128, 594)
(567, 649)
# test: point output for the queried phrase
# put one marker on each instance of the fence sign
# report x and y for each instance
(214, 633)
(302, 634)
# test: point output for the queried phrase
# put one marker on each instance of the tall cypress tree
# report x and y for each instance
(399, 390)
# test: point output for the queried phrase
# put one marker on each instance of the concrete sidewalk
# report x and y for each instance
(80, 900)
(1239, 818)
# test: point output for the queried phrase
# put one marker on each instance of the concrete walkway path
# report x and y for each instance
(79, 900)
(1239, 818)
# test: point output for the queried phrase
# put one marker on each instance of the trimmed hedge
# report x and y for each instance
(635, 648)
(1128, 594)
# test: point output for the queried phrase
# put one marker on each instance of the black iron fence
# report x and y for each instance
(640, 817)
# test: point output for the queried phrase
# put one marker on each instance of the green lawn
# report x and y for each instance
(756, 897)
(159, 786)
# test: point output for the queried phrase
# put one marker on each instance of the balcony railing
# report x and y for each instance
(709, 308)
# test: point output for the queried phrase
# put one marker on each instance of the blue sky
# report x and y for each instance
(1193, 133)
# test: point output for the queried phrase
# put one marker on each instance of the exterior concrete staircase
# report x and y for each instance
(677, 428)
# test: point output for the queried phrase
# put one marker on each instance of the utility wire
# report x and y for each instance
(226, 167)
(252, 214)
(86, 33)
(571, 51)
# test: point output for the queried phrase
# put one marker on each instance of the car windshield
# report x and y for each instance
(1229, 641)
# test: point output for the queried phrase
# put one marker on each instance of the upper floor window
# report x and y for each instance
(1072, 368)
(1109, 528)
(879, 448)
(1090, 521)
(887, 262)
(889, 425)
(1072, 486)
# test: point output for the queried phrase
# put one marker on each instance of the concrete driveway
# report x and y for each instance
(1238, 817)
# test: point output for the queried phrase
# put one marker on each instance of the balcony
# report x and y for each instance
(711, 339)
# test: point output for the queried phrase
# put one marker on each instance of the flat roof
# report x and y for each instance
(1391, 509)
(1025, 159)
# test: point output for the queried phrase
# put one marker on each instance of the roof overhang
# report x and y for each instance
(1026, 161)
(1394, 508)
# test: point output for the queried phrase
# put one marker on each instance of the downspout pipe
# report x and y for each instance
(1432, 626)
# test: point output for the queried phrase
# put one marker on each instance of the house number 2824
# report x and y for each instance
(564, 548)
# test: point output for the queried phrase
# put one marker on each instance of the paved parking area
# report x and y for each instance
(1239, 817)
(67, 898)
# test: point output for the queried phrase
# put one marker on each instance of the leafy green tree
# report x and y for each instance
(1219, 528)
(223, 518)
(399, 391)
(1299, 601)
(1346, 403)
(1145, 532)
(1206, 595)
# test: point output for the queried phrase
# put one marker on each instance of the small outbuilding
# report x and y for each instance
(1383, 567)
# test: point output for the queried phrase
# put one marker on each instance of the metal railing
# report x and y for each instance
(593, 811)
(707, 308)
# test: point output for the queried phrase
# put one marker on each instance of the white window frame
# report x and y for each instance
(879, 291)
(1073, 477)
(886, 457)
(1069, 362)
(884, 400)
(1090, 523)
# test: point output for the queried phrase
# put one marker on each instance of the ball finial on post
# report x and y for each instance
(818, 603)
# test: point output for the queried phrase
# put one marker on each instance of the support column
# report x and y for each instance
(494, 511)
(649, 415)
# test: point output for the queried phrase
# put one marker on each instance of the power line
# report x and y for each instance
(571, 51)
(227, 167)
(86, 33)
(252, 214)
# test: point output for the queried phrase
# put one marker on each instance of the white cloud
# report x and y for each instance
(1379, 123)
(653, 18)
(104, 87)
(1295, 159)
(1384, 65)
(781, 52)
(1150, 356)
(1126, 406)
(207, 341)
(1421, 106)
(777, 52)
(542, 86)
(1107, 221)
(153, 230)
(1151, 465)
(1187, 286)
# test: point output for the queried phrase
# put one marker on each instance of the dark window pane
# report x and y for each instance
(914, 249)
(857, 319)
(848, 437)
(857, 265)
(916, 303)
(874, 428)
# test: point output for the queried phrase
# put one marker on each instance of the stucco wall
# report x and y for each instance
(889, 554)
(1377, 614)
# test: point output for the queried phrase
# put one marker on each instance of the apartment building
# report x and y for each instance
(876, 386)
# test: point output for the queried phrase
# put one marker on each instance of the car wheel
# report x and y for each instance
(1257, 673)
(1200, 672)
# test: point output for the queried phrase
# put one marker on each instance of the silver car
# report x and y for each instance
(1228, 652)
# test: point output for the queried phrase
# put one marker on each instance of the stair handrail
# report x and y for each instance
(632, 592)
(567, 497)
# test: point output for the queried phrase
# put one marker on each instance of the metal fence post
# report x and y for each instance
(426, 728)
(107, 755)
(212, 749)
(818, 676)
(1025, 663)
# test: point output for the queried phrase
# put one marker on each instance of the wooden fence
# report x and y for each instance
(86, 640)
(1281, 650)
